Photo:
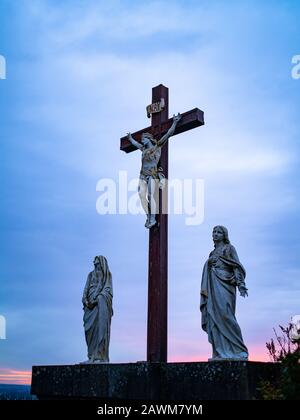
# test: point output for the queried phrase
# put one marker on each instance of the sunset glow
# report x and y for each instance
(16, 377)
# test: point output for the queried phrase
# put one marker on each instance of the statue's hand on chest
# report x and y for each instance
(212, 260)
(214, 257)
(95, 289)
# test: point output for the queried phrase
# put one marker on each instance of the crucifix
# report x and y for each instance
(162, 127)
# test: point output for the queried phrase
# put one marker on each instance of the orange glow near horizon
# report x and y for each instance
(15, 377)
(256, 354)
(23, 377)
(181, 358)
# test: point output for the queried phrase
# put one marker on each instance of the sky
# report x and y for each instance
(79, 75)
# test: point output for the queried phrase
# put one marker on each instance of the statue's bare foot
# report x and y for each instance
(86, 362)
(147, 224)
(151, 223)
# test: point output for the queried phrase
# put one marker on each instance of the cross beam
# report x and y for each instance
(189, 120)
(157, 329)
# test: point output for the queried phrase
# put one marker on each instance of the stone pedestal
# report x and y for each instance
(226, 380)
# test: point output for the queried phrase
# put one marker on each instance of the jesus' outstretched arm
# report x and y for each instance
(171, 131)
(134, 142)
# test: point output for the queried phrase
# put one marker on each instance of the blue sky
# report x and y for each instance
(79, 75)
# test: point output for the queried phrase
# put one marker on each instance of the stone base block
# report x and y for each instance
(224, 380)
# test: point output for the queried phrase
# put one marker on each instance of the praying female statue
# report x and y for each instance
(222, 274)
(97, 306)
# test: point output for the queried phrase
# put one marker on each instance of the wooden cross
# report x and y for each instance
(157, 331)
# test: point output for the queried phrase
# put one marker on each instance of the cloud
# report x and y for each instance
(90, 88)
(66, 27)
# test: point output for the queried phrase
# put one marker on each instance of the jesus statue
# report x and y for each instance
(151, 175)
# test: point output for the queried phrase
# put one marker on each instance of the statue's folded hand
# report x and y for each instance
(243, 291)
(91, 305)
(212, 261)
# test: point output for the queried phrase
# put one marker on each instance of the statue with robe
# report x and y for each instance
(97, 305)
(222, 275)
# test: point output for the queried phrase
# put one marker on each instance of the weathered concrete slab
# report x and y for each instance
(226, 380)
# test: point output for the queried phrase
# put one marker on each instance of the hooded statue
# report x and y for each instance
(97, 306)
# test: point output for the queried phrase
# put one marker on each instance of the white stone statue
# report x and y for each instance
(151, 176)
(222, 274)
(97, 306)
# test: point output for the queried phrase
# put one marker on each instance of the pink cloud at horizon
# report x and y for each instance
(15, 377)
(257, 353)
(19, 377)
(254, 357)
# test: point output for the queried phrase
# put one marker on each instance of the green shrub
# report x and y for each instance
(286, 350)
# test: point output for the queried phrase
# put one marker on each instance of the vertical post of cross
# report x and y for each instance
(157, 332)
